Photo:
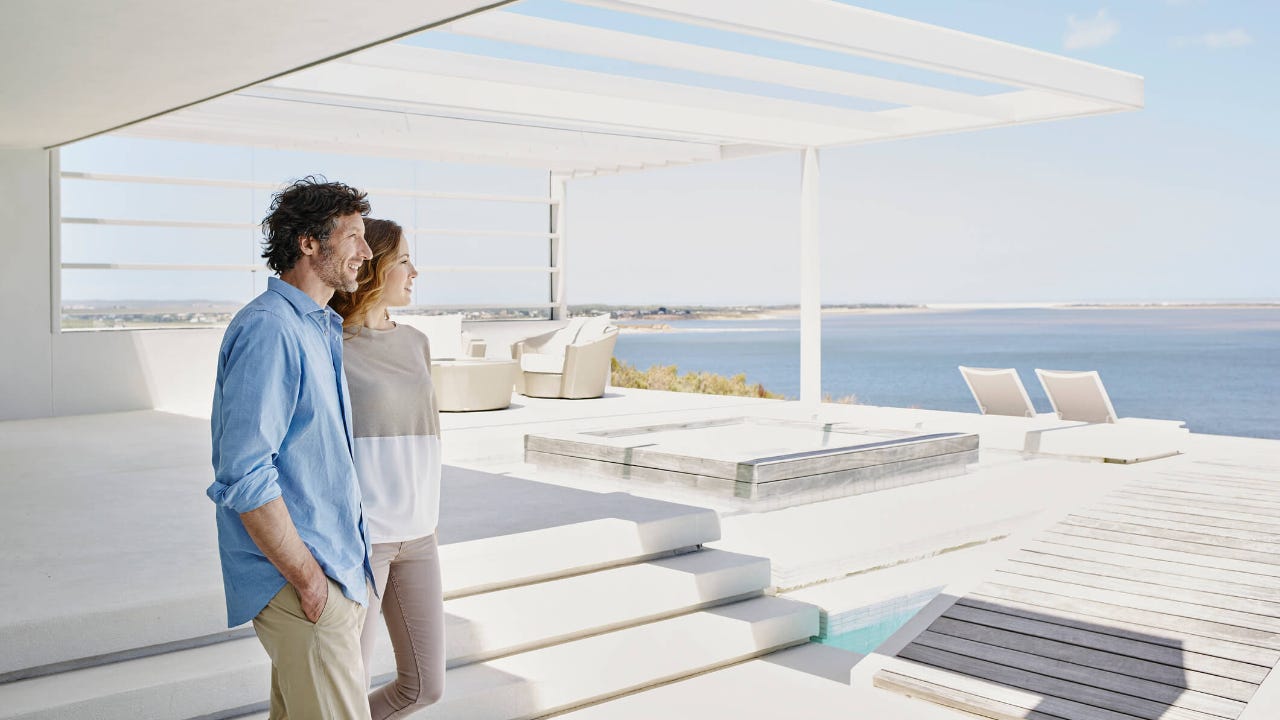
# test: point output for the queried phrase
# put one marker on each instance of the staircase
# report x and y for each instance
(537, 622)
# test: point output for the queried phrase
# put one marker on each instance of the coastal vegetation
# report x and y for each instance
(668, 377)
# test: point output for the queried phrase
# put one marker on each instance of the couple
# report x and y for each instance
(325, 440)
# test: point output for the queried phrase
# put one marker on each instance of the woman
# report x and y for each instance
(397, 457)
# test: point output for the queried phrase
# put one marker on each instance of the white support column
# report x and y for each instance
(559, 246)
(27, 301)
(810, 282)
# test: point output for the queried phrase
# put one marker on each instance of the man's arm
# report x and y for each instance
(260, 375)
(272, 530)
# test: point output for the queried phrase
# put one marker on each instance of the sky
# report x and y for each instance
(1173, 202)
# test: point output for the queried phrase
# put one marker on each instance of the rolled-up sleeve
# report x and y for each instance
(257, 389)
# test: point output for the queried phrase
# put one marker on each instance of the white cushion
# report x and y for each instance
(542, 363)
(592, 329)
(443, 331)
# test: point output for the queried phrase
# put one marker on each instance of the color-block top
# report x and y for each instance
(281, 429)
(397, 431)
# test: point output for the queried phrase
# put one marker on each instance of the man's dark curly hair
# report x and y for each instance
(309, 207)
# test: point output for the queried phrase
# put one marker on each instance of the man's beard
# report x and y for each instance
(332, 269)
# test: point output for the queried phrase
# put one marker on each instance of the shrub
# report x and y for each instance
(668, 377)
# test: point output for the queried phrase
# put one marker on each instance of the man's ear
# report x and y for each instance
(308, 245)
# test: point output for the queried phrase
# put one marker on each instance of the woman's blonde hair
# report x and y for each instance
(383, 237)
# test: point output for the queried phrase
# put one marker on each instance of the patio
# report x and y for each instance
(114, 606)
(152, 623)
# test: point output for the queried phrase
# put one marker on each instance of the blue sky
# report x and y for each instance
(1174, 202)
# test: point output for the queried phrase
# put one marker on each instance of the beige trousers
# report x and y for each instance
(316, 671)
(407, 575)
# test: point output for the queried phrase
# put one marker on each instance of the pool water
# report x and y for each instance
(863, 629)
(867, 638)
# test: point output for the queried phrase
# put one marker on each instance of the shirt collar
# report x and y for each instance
(300, 301)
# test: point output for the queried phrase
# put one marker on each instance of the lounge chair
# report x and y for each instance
(998, 391)
(1077, 395)
(571, 362)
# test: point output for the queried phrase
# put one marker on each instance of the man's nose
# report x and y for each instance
(365, 250)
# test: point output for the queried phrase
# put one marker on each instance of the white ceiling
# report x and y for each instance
(107, 65)
(73, 68)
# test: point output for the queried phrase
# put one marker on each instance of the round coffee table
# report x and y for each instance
(472, 384)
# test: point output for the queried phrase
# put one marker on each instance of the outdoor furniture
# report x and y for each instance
(998, 391)
(1077, 395)
(473, 384)
(571, 362)
(445, 333)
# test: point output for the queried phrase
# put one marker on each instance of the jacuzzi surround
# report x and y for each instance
(761, 462)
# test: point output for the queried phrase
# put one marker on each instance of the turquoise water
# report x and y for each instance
(865, 638)
(1218, 369)
(863, 629)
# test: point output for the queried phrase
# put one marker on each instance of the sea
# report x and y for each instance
(1216, 368)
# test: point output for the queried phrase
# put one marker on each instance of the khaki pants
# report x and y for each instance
(316, 671)
(408, 574)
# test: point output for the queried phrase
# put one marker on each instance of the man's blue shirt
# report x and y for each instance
(282, 428)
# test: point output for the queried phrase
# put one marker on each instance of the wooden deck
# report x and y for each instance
(1160, 601)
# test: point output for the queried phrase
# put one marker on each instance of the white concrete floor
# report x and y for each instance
(108, 512)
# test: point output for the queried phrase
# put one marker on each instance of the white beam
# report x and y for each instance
(586, 40)
(592, 101)
(843, 28)
(810, 282)
(280, 122)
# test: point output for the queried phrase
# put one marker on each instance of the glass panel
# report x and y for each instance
(105, 299)
(483, 288)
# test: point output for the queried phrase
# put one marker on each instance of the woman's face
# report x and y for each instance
(398, 290)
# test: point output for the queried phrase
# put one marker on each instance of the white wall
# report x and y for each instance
(43, 373)
(115, 370)
(25, 358)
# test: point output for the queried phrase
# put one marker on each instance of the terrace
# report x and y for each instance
(572, 589)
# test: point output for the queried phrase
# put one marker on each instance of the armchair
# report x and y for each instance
(571, 362)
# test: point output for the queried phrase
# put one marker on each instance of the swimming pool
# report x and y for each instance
(863, 629)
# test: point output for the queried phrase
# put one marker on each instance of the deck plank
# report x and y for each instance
(1209, 501)
(1174, 694)
(1193, 508)
(982, 698)
(1135, 645)
(1137, 625)
(1266, 552)
(1151, 602)
(1191, 518)
(1266, 538)
(1161, 601)
(1259, 573)
(1208, 550)
(1265, 499)
(1113, 611)
(1259, 611)
(1086, 661)
(1115, 567)
(1139, 707)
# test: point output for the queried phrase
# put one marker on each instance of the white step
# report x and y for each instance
(516, 619)
(508, 560)
(551, 679)
(234, 674)
(651, 530)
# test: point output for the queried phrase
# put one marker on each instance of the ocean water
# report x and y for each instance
(1216, 368)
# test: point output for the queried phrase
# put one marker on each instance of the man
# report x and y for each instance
(290, 529)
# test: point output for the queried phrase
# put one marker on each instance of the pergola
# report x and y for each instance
(405, 100)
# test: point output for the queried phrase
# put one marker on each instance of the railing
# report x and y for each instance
(552, 270)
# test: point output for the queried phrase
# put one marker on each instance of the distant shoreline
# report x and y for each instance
(660, 322)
